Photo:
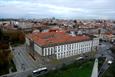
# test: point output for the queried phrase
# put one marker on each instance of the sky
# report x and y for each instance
(68, 9)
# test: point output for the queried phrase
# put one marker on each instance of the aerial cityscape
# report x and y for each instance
(63, 38)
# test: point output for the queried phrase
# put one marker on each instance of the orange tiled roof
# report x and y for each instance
(55, 38)
(108, 33)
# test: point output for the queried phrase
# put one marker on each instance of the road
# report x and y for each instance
(24, 62)
(104, 67)
(104, 51)
(22, 59)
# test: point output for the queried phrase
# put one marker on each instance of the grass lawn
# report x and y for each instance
(82, 70)
(55, 61)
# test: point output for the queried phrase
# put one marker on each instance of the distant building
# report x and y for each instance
(109, 37)
(60, 44)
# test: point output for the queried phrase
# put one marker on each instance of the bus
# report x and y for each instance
(39, 71)
(79, 58)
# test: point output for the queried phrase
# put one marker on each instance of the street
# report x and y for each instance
(24, 62)
(104, 51)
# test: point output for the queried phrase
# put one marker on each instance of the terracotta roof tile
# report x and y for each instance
(55, 38)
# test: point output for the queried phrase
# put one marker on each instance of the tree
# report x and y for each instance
(5, 57)
(5, 61)
(3, 45)
(113, 49)
(14, 36)
(1, 34)
(21, 37)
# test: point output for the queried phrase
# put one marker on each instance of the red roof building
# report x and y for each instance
(55, 38)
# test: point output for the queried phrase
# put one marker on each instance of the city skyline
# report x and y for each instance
(80, 9)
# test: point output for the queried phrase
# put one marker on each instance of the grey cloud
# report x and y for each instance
(58, 8)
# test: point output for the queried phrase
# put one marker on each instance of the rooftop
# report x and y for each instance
(46, 39)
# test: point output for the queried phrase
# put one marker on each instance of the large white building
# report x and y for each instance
(60, 44)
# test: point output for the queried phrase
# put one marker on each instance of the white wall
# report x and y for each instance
(38, 49)
(67, 50)
(27, 41)
(95, 41)
(48, 51)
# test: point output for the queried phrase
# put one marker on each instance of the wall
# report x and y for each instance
(48, 51)
(38, 49)
(67, 50)
(27, 41)
(73, 49)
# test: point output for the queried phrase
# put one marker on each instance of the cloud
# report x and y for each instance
(61, 9)
(58, 8)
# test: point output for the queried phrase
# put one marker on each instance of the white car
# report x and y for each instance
(109, 62)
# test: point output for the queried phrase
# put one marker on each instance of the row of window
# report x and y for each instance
(49, 51)
(73, 46)
(72, 52)
(82, 46)
(95, 43)
(69, 53)
(77, 50)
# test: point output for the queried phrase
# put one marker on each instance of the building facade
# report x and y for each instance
(64, 49)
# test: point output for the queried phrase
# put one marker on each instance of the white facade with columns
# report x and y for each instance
(66, 50)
